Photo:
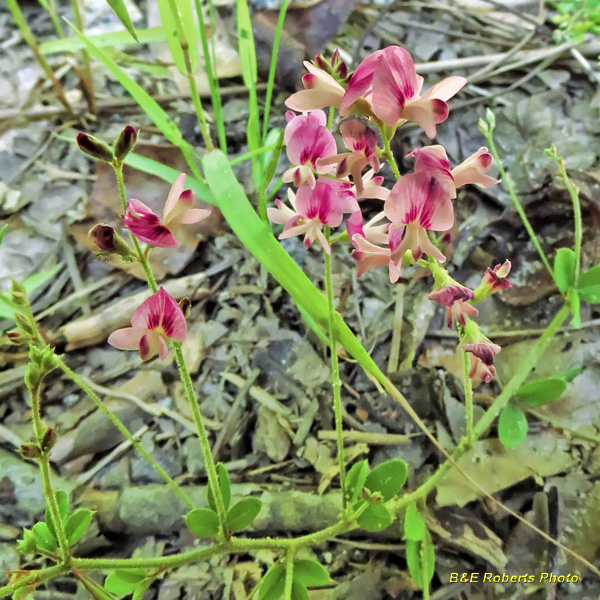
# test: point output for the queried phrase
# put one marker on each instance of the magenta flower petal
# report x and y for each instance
(146, 225)
(127, 338)
(161, 312)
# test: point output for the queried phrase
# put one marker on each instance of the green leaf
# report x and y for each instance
(158, 116)
(375, 518)
(272, 166)
(77, 524)
(224, 484)
(187, 24)
(355, 480)
(44, 538)
(96, 591)
(203, 522)
(246, 44)
(122, 582)
(414, 526)
(62, 499)
(571, 373)
(299, 592)
(121, 11)
(272, 584)
(36, 280)
(541, 391)
(418, 553)
(141, 588)
(310, 572)
(564, 269)
(588, 285)
(3, 231)
(242, 513)
(387, 478)
(512, 426)
(101, 40)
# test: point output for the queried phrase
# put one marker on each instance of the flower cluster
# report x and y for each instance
(382, 94)
(159, 318)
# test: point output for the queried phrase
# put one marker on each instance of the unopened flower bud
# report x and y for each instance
(24, 324)
(16, 338)
(125, 142)
(94, 147)
(19, 294)
(49, 439)
(185, 304)
(30, 450)
(494, 280)
(109, 241)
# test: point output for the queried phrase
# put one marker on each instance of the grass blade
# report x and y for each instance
(100, 40)
(121, 11)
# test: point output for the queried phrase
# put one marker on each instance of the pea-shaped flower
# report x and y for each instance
(155, 321)
(179, 210)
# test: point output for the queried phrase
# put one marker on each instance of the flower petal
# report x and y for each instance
(161, 311)
(127, 338)
(146, 226)
(174, 194)
(194, 215)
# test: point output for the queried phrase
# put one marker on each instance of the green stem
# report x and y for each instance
(516, 202)
(576, 213)
(289, 575)
(124, 431)
(142, 258)
(273, 68)
(209, 462)
(37, 577)
(387, 150)
(468, 387)
(213, 80)
(493, 411)
(86, 79)
(183, 42)
(48, 491)
(28, 36)
(336, 384)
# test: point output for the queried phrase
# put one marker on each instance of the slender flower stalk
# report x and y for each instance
(336, 383)
(289, 575)
(79, 382)
(468, 388)
(209, 463)
(44, 462)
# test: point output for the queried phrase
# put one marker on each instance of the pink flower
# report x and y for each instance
(388, 82)
(147, 226)
(417, 203)
(471, 170)
(493, 281)
(312, 209)
(307, 140)
(482, 358)
(371, 187)
(320, 90)
(345, 193)
(454, 298)
(362, 143)
(157, 319)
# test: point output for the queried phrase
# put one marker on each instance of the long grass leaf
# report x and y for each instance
(111, 39)
(170, 27)
(121, 11)
(147, 103)
(152, 167)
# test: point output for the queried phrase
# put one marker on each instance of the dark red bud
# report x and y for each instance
(49, 439)
(185, 304)
(30, 450)
(94, 147)
(125, 142)
(103, 236)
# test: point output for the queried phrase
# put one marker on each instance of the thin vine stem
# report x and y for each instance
(209, 462)
(387, 151)
(47, 489)
(468, 388)
(336, 383)
(515, 199)
(124, 431)
(289, 575)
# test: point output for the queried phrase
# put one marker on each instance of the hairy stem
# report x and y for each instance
(336, 383)
(493, 411)
(37, 577)
(209, 463)
(387, 150)
(126, 434)
(48, 491)
(468, 387)
(516, 202)
(289, 575)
